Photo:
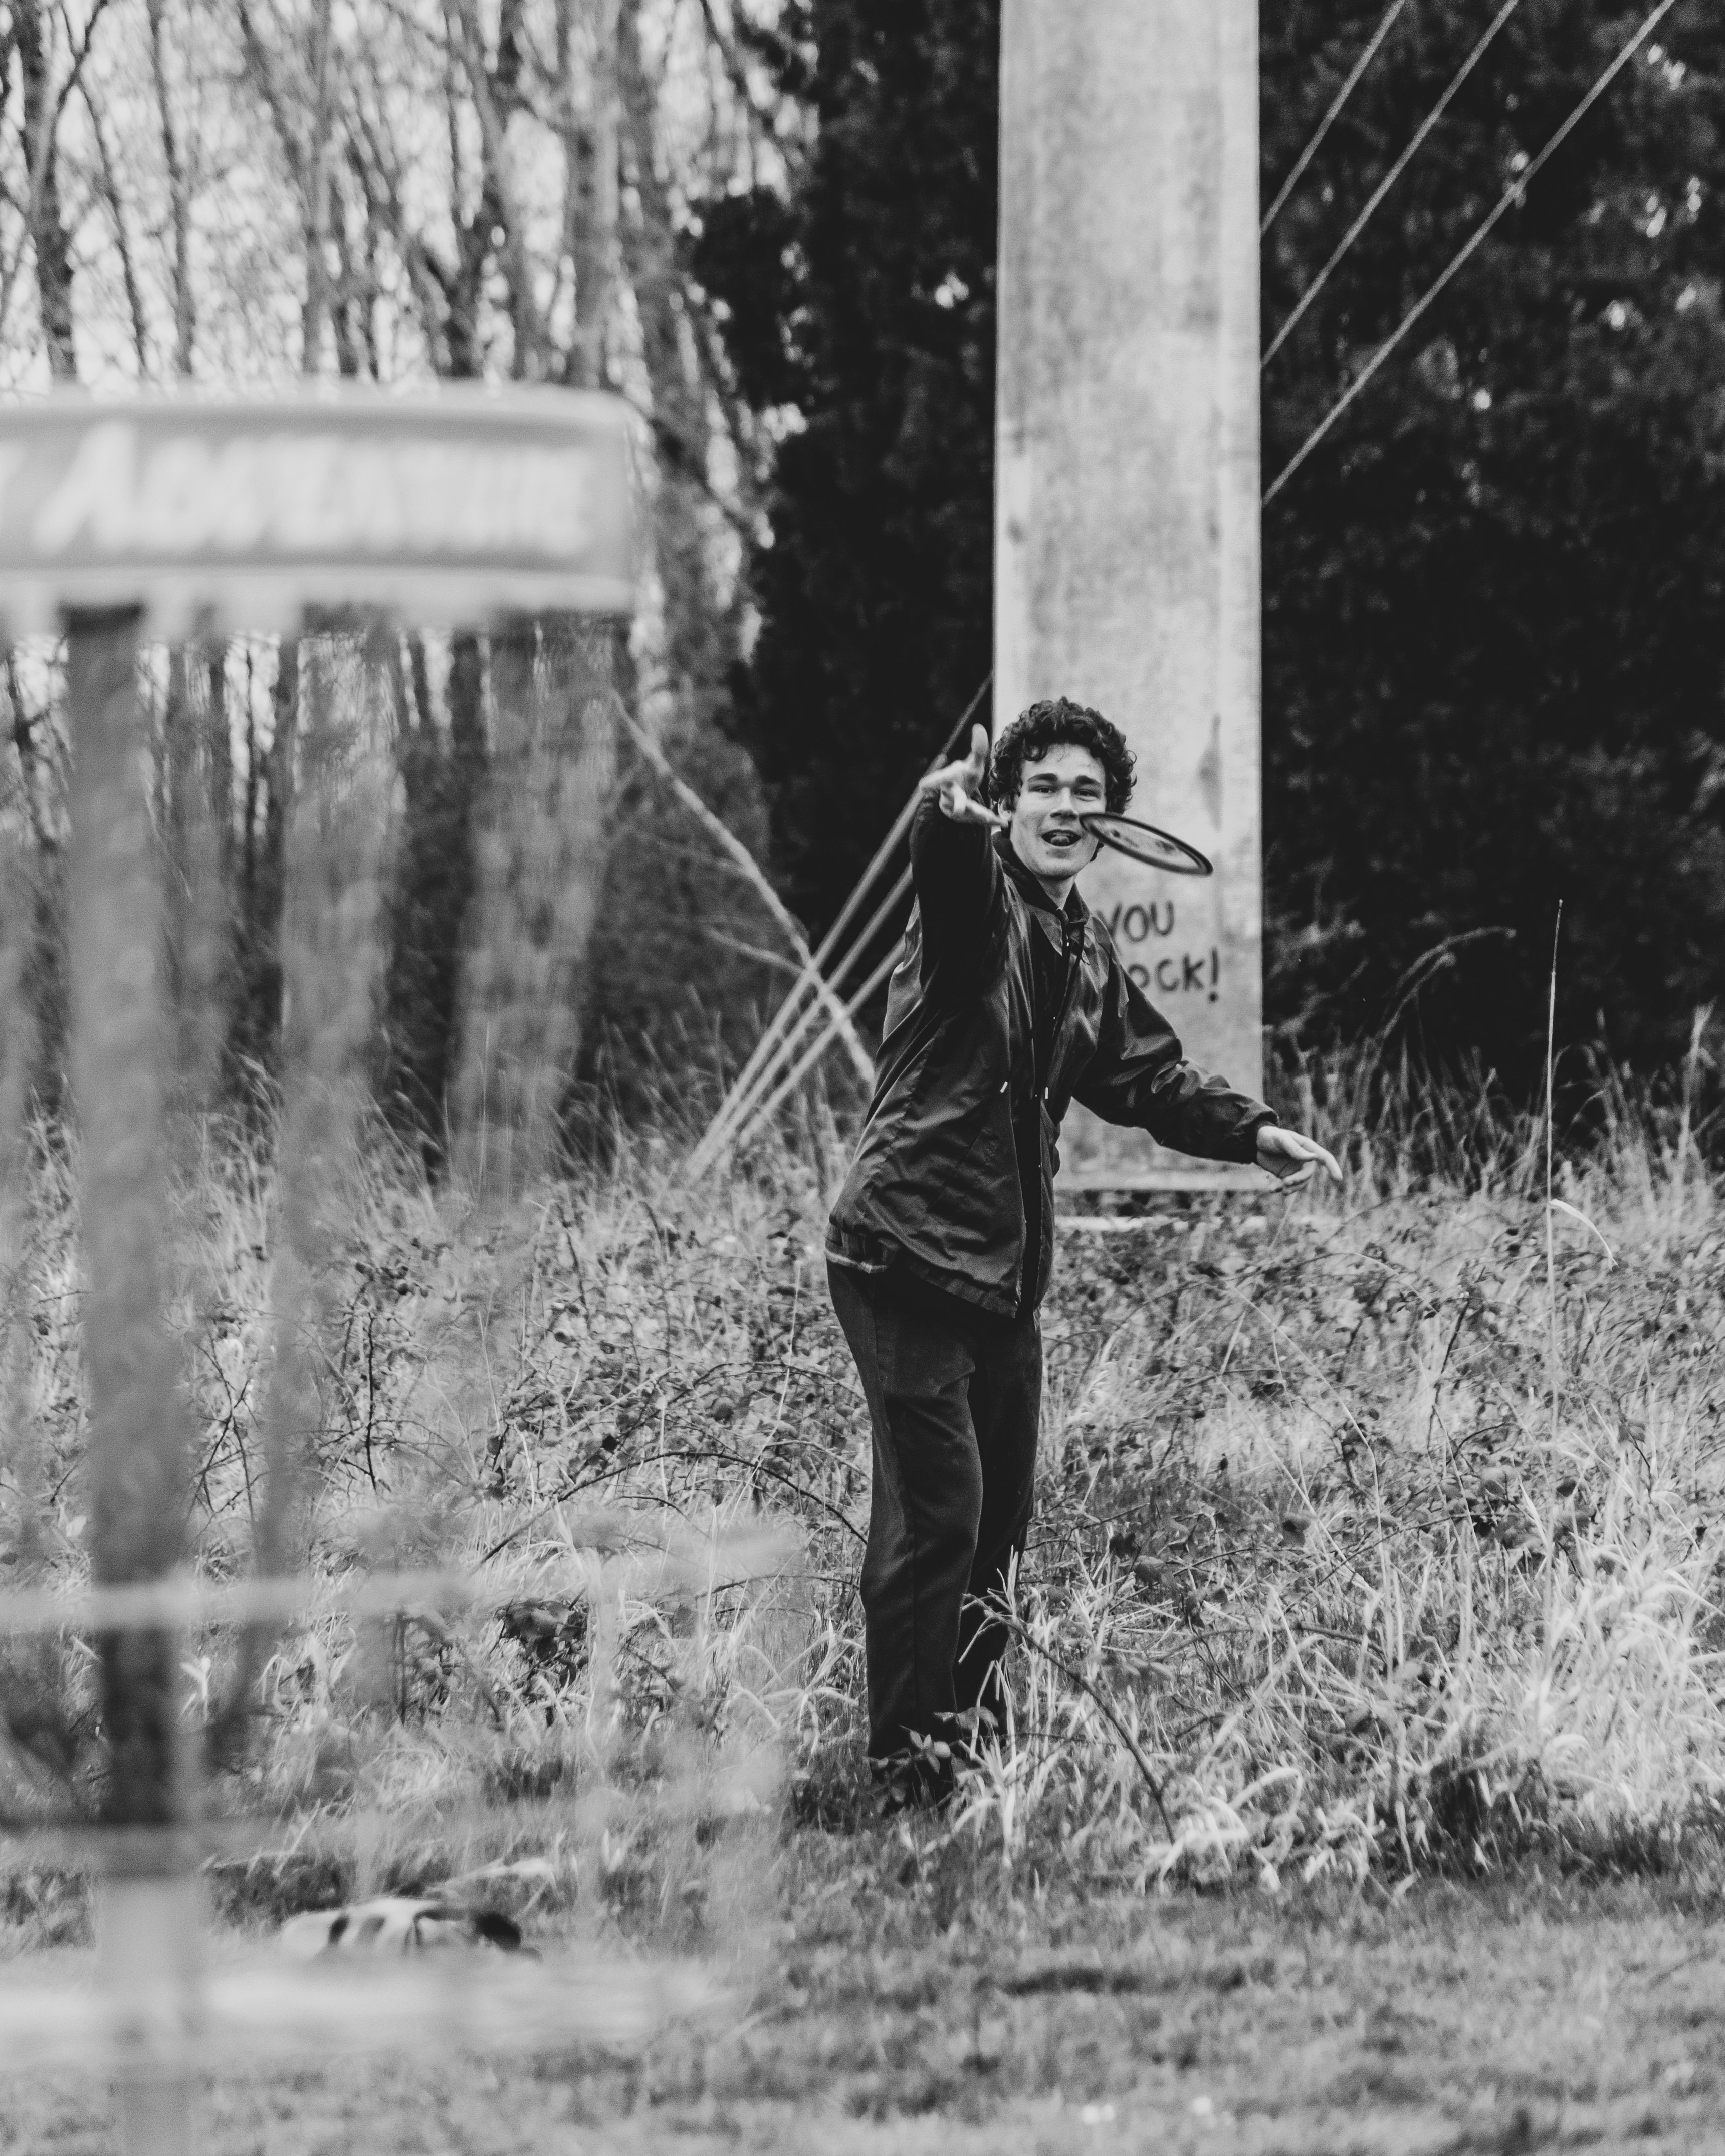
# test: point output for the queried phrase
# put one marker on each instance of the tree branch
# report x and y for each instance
(74, 78)
(263, 72)
(735, 849)
(110, 192)
(532, 341)
(179, 200)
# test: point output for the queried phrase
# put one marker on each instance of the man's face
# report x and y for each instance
(1057, 790)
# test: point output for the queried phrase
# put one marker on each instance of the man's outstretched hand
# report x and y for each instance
(1291, 1159)
(958, 787)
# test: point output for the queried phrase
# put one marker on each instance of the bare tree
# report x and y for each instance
(34, 28)
(299, 107)
(464, 188)
(179, 196)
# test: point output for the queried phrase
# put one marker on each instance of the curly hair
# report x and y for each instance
(1046, 726)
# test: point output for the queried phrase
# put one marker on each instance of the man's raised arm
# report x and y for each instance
(952, 853)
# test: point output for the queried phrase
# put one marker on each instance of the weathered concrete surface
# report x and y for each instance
(1127, 562)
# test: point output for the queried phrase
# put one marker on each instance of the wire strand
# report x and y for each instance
(745, 1098)
(768, 1049)
(772, 1051)
(1389, 181)
(739, 855)
(758, 1118)
(1330, 118)
(1515, 192)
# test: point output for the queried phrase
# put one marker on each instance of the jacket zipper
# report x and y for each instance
(1072, 951)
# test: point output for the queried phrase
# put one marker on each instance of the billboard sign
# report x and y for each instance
(445, 507)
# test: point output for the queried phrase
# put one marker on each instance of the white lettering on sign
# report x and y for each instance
(312, 493)
(1186, 975)
(1133, 923)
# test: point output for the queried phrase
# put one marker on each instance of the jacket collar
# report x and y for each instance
(1032, 887)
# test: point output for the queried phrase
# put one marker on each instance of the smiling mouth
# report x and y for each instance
(1061, 840)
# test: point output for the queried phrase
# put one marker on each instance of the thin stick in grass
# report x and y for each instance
(1552, 1372)
(1020, 1631)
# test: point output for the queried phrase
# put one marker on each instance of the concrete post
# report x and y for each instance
(1126, 506)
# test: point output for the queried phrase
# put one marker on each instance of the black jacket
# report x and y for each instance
(933, 1192)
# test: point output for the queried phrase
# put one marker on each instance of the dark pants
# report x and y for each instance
(953, 1399)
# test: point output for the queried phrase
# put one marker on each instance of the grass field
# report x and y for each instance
(1361, 1787)
(1512, 2016)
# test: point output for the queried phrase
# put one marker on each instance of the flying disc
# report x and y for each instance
(1143, 842)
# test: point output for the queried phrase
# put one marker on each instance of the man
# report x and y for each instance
(1009, 1001)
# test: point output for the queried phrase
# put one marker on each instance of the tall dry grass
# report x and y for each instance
(1326, 1575)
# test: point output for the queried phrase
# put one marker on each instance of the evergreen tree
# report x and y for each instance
(863, 312)
(1493, 662)
(1492, 629)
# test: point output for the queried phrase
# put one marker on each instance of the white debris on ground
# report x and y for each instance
(398, 1924)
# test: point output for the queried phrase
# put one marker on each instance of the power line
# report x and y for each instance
(742, 1100)
(757, 1118)
(1329, 119)
(1513, 193)
(1389, 179)
(772, 1051)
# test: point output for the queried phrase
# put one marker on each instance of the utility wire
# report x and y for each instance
(768, 1051)
(1389, 181)
(757, 1118)
(1330, 118)
(740, 853)
(743, 1098)
(1515, 192)
(772, 1051)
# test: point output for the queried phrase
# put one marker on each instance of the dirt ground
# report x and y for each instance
(1500, 2018)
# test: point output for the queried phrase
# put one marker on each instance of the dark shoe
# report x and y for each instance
(920, 1778)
